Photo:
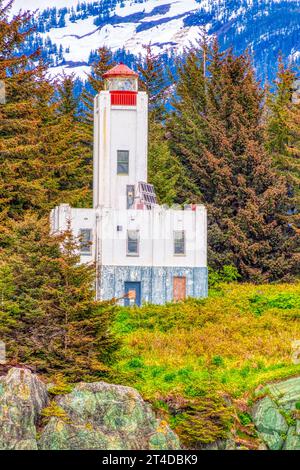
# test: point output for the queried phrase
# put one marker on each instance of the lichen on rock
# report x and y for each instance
(22, 398)
(106, 416)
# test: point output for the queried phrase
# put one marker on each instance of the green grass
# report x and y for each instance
(200, 351)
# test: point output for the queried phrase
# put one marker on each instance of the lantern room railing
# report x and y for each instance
(123, 98)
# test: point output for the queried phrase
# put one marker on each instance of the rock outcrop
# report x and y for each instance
(277, 415)
(22, 398)
(93, 416)
(105, 416)
(112, 417)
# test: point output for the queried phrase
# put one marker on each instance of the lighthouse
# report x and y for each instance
(143, 252)
(120, 130)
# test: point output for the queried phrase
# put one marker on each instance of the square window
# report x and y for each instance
(133, 240)
(123, 162)
(85, 236)
(179, 242)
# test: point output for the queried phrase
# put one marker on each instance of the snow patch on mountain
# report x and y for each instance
(33, 5)
(77, 28)
(83, 36)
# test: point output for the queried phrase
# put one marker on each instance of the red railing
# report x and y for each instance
(123, 98)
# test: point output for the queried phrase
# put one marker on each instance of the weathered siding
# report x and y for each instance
(156, 282)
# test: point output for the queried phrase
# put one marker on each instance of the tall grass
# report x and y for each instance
(200, 351)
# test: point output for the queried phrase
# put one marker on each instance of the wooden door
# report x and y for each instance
(179, 289)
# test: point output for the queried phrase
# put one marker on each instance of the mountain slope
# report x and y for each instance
(70, 30)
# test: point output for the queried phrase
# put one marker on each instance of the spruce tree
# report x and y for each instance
(217, 132)
(103, 63)
(186, 126)
(165, 170)
(292, 165)
(67, 102)
(153, 80)
(48, 316)
(22, 169)
(67, 150)
(95, 84)
(45, 156)
(283, 135)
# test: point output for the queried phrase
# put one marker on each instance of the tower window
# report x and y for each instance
(179, 242)
(123, 162)
(85, 236)
(133, 241)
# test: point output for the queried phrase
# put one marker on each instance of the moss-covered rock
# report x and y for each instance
(273, 415)
(292, 439)
(286, 393)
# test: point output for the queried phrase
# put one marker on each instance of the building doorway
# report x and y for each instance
(133, 293)
(179, 289)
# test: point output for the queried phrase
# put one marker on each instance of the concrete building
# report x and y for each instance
(143, 252)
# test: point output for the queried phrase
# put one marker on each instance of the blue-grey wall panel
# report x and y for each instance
(156, 282)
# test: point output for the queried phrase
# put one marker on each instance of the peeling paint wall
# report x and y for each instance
(156, 282)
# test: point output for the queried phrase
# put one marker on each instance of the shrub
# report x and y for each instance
(60, 386)
(245, 418)
(135, 363)
(225, 275)
(54, 410)
(169, 377)
(217, 361)
(201, 421)
(285, 301)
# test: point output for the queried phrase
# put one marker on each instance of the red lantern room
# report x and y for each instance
(122, 83)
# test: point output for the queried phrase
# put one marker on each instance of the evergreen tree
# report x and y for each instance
(102, 64)
(292, 171)
(278, 104)
(45, 156)
(21, 160)
(217, 133)
(48, 316)
(153, 80)
(99, 67)
(67, 149)
(165, 170)
(67, 103)
(13, 33)
(186, 126)
(283, 135)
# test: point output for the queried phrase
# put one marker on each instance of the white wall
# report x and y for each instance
(156, 229)
(118, 128)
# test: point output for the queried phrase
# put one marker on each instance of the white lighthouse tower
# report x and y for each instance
(120, 129)
(143, 252)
